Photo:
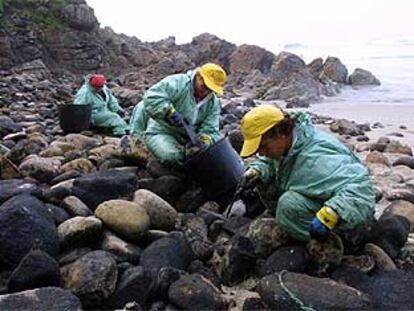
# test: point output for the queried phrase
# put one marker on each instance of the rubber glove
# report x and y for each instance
(250, 179)
(325, 220)
(205, 139)
(174, 117)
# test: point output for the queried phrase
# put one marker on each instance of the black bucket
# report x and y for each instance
(74, 118)
(218, 169)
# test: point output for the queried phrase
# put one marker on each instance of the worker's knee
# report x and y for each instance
(289, 204)
(166, 149)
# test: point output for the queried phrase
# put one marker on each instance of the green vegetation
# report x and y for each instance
(2, 4)
(45, 20)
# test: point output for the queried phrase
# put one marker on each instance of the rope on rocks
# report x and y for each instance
(292, 295)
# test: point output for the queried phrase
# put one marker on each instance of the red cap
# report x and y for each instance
(97, 80)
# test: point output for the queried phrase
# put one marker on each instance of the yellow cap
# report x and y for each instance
(255, 123)
(214, 77)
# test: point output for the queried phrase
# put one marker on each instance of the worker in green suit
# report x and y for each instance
(322, 185)
(105, 107)
(192, 96)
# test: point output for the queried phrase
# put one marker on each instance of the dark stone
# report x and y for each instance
(73, 255)
(197, 266)
(102, 186)
(252, 304)
(48, 298)
(12, 187)
(26, 147)
(405, 160)
(167, 252)
(92, 278)
(317, 293)
(58, 213)
(241, 260)
(194, 292)
(135, 284)
(65, 176)
(378, 147)
(294, 259)
(8, 126)
(37, 269)
(167, 187)
(390, 233)
(162, 282)
(25, 223)
(190, 201)
(236, 140)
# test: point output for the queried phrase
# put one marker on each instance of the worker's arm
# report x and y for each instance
(266, 168)
(113, 104)
(210, 125)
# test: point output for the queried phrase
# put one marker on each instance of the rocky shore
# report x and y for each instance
(87, 224)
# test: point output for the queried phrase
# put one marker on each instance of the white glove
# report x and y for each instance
(237, 209)
(250, 179)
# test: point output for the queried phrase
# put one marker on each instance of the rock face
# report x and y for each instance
(47, 298)
(363, 77)
(26, 223)
(334, 70)
(321, 294)
(102, 186)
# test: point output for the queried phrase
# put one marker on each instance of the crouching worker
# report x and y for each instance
(322, 185)
(192, 96)
(105, 107)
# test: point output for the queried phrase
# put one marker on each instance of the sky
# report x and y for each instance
(267, 23)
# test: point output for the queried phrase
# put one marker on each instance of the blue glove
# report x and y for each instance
(318, 230)
(174, 117)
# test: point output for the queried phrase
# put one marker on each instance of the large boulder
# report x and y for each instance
(317, 293)
(402, 208)
(92, 277)
(285, 64)
(41, 169)
(79, 231)
(363, 77)
(25, 223)
(102, 186)
(47, 298)
(80, 16)
(250, 57)
(128, 219)
(334, 70)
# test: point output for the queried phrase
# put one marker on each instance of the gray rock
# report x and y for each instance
(194, 292)
(57, 193)
(396, 146)
(92, 278)
(345, 127)
(123, 251)
(47, 298)
(42, 169)
(363, 77)
(8, 126)
(25, 223)
(334, 70)
(58, 214)
(79, 231)
(80, 16)
(75, 207)
(36, 269)
(12, 187)
(169, 187)
(404, 160)
(317, 293)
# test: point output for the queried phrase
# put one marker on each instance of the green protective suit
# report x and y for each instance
(104, 110)
(318, 171)
(139, 120)
(167, 142)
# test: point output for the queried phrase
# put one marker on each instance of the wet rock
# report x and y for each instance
(79, 231)
(190, 201)
(195, 292)
(362, 138)
(25, 222)
(58, 214)
(8, 126)
(13, 187)
(345, 127)
(320, 294)
(73, 255)
(162, 215)
(196, 232)
(23, 148)
(92, 278)
(171, 251)
(363, 263)
(405, 160)
(123, 251)
(102, 186)
(80, 142)
(389, 233)
(169, 187)
(127, 219)
(266, 236)
(135, 284)
(363, 77)
(401, 208)
(48, 298)
(65, 176)
(324, 254)
(383, 262)
(75, 207)
(377, 157)
(197, 266)
(162, 282)
(400, 194)
(334, 70)
(378, 147)
(42, 169)
(7, 169)
(36, 269)
(83, 166)
(57, 193)
(293, 258)
(254, 303)
(396, 146)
